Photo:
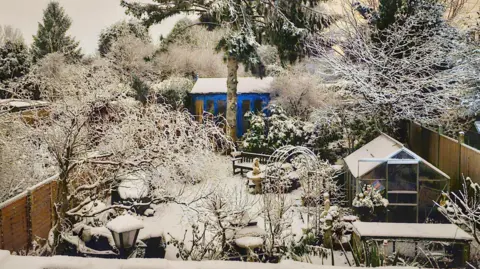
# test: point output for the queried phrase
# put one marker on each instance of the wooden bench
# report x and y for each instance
(244, 161)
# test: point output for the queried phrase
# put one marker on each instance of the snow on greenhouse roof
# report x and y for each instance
(376, 152)
(245, 85)
(381, 147)
(124, 223)
(427, 231)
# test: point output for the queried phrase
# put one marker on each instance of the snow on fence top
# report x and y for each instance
(8, 261)
(411, 231)
(219, 85)
(124, 223)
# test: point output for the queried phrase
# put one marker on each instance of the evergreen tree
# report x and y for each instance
(281, 23)
(52, 34)
(119, 29)
(14, 60)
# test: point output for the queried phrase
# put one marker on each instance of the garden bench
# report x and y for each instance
(244, 161)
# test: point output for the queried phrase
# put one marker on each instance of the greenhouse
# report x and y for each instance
(409, 183)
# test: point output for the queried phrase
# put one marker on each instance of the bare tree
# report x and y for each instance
(9, 33)
(418, 70)
(220, 217)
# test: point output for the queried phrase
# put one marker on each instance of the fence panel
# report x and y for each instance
(415, 138)
(430, 140)
(14, 225)
(41, 211)
(471, 163)
(449, 159)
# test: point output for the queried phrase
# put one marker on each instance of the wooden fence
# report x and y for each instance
(452, 156)
(27, 216)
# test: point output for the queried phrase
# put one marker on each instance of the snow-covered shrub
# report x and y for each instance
(173, 91)
(120, 29)
(14, 60)
(272, 131)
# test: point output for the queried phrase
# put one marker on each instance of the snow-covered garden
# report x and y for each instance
(138, 168)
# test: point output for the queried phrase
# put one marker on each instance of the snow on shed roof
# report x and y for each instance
(124, 223)
(245, 85)
(22, 104)
(427, 231)
(381, 147)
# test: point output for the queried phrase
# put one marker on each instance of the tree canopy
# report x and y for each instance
(52, 34)
(121, 29)
(284, 24)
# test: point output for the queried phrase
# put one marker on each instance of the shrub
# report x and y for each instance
(269, 132)
(173, 91)
(14, 60)
(120, 29)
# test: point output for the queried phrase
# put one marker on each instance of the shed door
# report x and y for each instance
(199, 110)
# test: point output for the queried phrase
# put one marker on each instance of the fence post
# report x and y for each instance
(2, 246)
(29, 219)
(440, 132)
(461, 140)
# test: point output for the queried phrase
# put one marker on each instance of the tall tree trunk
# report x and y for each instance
(232, 65)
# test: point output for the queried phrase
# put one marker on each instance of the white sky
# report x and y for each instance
(89, 17)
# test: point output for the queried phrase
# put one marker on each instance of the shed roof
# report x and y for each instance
(22, 103)
(245, 85)
(426, 231)
(382, 147)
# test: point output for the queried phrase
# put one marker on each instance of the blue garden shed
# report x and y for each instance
(210, 95)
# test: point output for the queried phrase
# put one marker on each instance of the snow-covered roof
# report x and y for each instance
(22, 104)
(427, 231)
(374, 153)
(124, 223)
(245, 85)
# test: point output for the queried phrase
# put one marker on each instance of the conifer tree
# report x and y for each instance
(52, 34)
(281, 23)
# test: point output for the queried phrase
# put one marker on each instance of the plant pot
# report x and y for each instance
(366, 214)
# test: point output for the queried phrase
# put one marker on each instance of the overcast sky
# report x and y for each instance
(89, 17)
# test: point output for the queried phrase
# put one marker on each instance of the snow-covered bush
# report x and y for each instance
(14, 60)
(272, 131)
(120, 29)
(173, 91)
(463, 208)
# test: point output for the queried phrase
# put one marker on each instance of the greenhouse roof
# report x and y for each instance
(378, 151)
(245, 85)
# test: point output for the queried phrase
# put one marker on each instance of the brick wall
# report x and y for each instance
(27, 216)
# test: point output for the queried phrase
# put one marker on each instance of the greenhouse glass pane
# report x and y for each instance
(403, 155)
(402, 177)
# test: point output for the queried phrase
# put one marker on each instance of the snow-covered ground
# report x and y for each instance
(174, 219)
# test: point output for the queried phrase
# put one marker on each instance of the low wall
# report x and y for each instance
(8, 261)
